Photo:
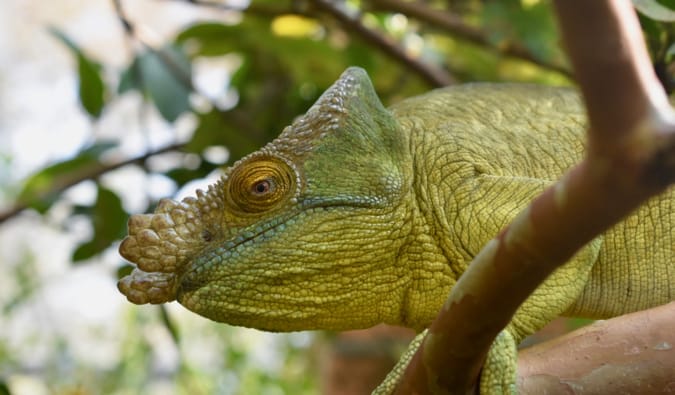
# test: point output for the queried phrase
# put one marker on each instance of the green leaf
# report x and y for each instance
(124, 270)
(4, 388)
(660, 11)
(109, 220)
(91, 87)
(213, 39)
(42, 188)
(253, 38)
(130, 79)
(671, 51)
(182, 175)
(219, 128)
(532, 26)
(166, 77)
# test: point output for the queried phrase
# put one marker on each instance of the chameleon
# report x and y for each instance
(357, 214)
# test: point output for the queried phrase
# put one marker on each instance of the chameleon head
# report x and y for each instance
(296, 235)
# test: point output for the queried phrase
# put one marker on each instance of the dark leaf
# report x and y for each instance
(109, 222)
(166, 77)
(4, 388)
(170, 326)
(124, 270)
(130, 79)
(532, 26)
(213, 39)
(91, 86)
(220, 128)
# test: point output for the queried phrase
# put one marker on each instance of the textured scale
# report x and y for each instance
(357, 215)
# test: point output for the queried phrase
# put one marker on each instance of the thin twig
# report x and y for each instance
(435, 76)
(90, 173)
(457, 27)
(252, 8)
(176, 71)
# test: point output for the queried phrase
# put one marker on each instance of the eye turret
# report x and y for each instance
(260, 184)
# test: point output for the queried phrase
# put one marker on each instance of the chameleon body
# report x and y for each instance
(357, 215)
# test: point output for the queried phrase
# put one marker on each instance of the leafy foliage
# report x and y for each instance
(42, 189)
(164, 77)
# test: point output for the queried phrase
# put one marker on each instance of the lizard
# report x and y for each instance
(357, 214)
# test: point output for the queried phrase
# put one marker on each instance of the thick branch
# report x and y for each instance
(631, 354)
(458, 28)
(612, 67)
(434, 76)
(607, 185)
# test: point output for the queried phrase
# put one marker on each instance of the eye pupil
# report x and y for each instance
(262, 187)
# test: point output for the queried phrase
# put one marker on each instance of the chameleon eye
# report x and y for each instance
(260, 184)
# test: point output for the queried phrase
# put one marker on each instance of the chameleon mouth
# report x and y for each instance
(148, 287)
(170, 251)
(204, 270)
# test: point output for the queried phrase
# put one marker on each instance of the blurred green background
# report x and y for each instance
(108, 106)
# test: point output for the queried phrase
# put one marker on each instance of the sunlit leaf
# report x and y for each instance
(295, 26)
(656, 10)
(91, 86)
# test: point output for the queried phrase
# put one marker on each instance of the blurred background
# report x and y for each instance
(107, 106)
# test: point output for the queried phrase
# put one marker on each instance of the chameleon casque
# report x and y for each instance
(357, 215)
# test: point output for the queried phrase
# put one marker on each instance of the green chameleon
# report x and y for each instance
(357, 215)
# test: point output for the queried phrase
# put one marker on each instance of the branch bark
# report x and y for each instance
(631, 354)
(435, 76)
(455, 26)
(631, 158)
(90, 173)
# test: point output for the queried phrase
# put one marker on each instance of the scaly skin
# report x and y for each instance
(358, 215)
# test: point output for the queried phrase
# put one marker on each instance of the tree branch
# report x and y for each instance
(615, 178)
(457, 27)
(251, 8)
(436, 77)
(90, 173)
(631, 354)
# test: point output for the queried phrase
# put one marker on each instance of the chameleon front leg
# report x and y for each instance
(500, 374)
(551, 299)
(389, 384)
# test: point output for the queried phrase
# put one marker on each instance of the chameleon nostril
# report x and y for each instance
(206, 235)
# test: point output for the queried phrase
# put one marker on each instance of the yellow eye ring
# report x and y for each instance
(260, 184)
